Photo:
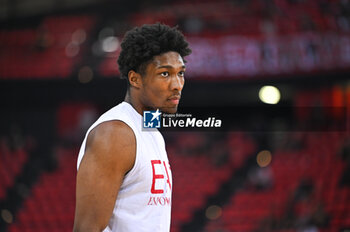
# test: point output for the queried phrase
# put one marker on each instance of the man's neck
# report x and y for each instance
(133, 102)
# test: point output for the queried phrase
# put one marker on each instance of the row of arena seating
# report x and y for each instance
(49, 50)
(50, 207)
(196, 174)
(212, 18)
(318, 162)
(53, 48)
(11, 163)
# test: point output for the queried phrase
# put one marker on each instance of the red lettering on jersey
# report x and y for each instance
(162, 201)
(154, 201)
(150, 201)
(167, 174)
(167, 200)
(155, 176)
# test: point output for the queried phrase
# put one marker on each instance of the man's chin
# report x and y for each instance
(169, 110)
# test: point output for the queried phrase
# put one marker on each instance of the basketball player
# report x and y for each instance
(124, 180)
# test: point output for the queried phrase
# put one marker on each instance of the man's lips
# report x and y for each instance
(175, 100)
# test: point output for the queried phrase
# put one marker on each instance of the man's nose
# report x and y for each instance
(177, 83)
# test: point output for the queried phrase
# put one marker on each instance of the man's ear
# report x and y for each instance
(134, 79)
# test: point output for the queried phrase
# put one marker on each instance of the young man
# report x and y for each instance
(124, 180)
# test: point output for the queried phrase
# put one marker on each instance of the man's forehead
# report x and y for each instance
(169, 58)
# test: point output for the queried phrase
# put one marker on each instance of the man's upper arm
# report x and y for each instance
(110, 153)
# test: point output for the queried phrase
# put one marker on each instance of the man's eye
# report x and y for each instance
(165, 74)
(181, 74)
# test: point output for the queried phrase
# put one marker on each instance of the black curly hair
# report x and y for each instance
(141, 44)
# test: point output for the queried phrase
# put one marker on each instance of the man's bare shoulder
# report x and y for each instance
(110, 131)
(113, 141)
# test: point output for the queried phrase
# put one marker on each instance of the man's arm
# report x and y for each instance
(110, 153)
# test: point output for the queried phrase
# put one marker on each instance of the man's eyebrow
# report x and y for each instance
(169, 66)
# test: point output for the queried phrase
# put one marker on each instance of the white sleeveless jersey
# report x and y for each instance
(144, 199)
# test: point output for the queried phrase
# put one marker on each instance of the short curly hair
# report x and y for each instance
(141, 44)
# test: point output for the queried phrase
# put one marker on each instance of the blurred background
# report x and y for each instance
(58, 73)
